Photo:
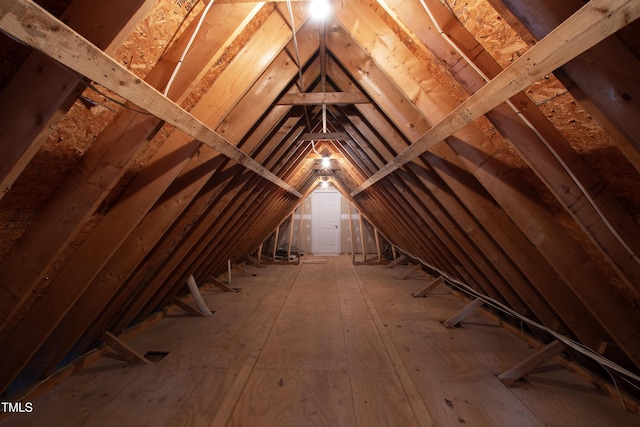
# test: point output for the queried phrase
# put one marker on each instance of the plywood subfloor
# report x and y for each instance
(323, 344)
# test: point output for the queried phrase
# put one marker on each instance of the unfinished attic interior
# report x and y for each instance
(408, 212)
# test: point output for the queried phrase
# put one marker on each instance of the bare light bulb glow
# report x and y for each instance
(319, 9)
(325, 184)
(326, 162)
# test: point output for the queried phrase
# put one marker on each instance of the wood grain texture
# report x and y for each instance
(250, 364)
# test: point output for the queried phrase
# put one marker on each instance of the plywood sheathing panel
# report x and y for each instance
(584, 134)
(226, 364)
(71, 137)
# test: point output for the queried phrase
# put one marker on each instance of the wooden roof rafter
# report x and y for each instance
(595, 21)
(460, 205)
(57, 40)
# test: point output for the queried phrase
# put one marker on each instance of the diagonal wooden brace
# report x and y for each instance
(460, 316)
(187, 308)
(238, 269)
(395, 262)
(255, 262)
(431, 286)
(127, 353)
(221, 285)
(411, 271)
(547, 352)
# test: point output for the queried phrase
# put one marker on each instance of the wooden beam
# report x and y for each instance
(462, 314)
(431, 286)
(410, 272)
(362, 242)
(353, 243)
(327, 136)
(590, 76)
(127, 353)
(187, 308)
(320, 98)
(240, 270)
(546, 151)
(275, 243)
(53, 38)
(221, 285)
(511, 376)
(291, 236)
(41, 92)
(377, 238)
(254, 261)
(586, 286)
(399, 260)
(592, 23)
(300, 230)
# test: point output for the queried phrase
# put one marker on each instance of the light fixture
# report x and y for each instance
(326, 162)
(325, 184)
(319, 9)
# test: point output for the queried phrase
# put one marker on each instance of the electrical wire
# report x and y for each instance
(186, 49)
(506, 310)
(92, 87)
(295, 46)
(530, 125)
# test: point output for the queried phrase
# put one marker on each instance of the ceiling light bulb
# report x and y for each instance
(319, 9)
(325, 184)
(326, 162)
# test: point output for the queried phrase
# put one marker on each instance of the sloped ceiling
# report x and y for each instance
(112, 195)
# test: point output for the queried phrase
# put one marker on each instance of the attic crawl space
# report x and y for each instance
(407, 212)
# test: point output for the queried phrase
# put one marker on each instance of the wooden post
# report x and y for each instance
(364, 246)
(353, 244)
(396, 261)
(300, 231)
(460, 316)
(393, 251)
(127, 353)
(541, 356)
(291, 236)
(275, 243)
(431, 286)
(406, 274)
(375, 233)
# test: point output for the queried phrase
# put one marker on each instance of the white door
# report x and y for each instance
(325, 222)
